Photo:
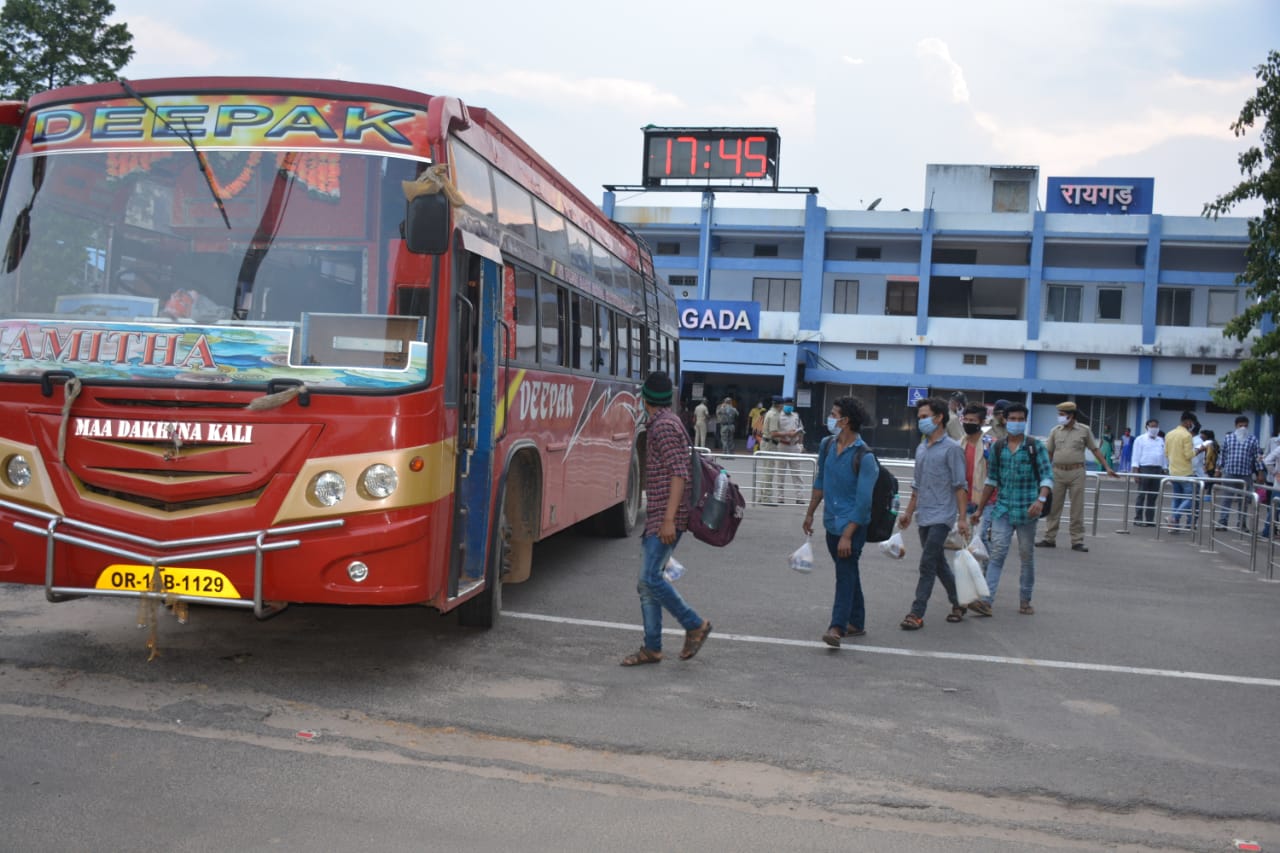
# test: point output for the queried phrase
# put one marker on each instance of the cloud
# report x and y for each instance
(850, 60)
(793, 109)
(560, 88)
(936, 47)
(159, 45)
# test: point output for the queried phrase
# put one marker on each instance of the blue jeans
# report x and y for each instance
(1181, 502)
(1002, 530)
(849, 607)
(933, 564)
(656, 592)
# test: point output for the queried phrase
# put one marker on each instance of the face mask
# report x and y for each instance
(1062, 420)
(972, 429)
(1016, 427)
(831, 425)
(788, 409)
(927, 426)
(1153, 431)
(1242, 433)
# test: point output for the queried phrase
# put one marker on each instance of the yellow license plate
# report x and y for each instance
(205, 583)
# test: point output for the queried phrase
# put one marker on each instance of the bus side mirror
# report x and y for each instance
(426, 224)
(11, 113)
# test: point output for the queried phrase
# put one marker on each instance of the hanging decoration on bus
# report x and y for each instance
(229, 121)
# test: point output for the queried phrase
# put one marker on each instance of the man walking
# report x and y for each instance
(1179, 452)
(845, 514)
(667, 517)
(975, 455)
(938, 489)
(789, 438)
(1020, 476)
(1148, 458)
(727, 420)
(1239, 461)
(1066, 445)
(700, 415)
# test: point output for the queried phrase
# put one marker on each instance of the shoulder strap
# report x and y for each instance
(1034, 450)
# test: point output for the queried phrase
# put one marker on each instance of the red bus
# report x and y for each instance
(266, 341)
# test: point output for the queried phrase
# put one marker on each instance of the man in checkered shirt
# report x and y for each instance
(1239, 460)
(667, 517)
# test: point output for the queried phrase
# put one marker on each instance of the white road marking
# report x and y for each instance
(920, 653)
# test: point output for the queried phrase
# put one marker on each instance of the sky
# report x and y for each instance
(864, 95)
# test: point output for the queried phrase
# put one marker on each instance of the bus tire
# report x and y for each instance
(619, 520)
(482, 611)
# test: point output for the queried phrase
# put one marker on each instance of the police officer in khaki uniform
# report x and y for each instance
(1066, 445)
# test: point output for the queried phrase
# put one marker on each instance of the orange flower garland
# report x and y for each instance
(319, 173)
(241, 181)
(121, 164)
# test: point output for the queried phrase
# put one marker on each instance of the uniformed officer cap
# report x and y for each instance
(1067, 408)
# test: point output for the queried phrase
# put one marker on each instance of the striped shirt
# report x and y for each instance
(668, 457)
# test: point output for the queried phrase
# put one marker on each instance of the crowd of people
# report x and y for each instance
(969, 484)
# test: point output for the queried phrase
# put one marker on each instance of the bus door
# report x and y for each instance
(475, 373)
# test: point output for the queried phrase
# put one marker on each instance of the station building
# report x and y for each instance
(1094, 298)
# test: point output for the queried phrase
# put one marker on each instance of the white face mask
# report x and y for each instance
(1153, 431)
(1062, 420)
(1242, 433)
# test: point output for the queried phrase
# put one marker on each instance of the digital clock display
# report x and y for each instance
(698, 156)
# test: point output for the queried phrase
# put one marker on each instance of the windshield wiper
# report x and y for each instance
(185, 136)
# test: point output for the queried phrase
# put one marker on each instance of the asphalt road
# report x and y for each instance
(1135, 710)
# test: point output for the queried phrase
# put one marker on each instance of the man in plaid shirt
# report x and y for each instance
(667, 517)
(1020, 499)
(1239, 459)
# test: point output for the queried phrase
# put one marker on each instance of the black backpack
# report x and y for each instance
(712, 520)
(884, 494)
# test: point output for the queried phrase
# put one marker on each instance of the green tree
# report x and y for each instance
(49, 43)
(1255, 384)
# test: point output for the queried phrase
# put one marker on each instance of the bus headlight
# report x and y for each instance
(17, 471)
(328, 487)
(379, 481)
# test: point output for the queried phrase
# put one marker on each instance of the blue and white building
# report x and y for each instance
(1090, 297)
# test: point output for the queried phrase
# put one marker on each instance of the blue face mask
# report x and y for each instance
(927, 426)
(831, 425)
(1016, 427)
(788, 409)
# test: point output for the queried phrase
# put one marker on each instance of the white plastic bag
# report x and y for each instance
(894, 546)
(970, 584)
(801, 559)
(955, 542)
(978, 549)
(674, 570)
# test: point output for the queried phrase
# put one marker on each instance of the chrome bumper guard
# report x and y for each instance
(246, 542)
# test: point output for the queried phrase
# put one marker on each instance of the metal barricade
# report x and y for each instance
(1192, 511)
(1274, 535)
(1228, 496)
(769, 478)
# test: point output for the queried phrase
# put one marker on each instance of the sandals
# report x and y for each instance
(911, 622)
(694, 639)
(979, 607)
(1026, 609)
(644, 655)
(851, 631)
(956, 614)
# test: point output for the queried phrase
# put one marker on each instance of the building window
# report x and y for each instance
(1173, 306)
(1088, 364)
(867, 354)
(776, 294)
(765, 250)
(901, 298)
(668, 248)
(1010, 196)
(867, 253)
(1062, 304)
(684, 286)
(1110, 303)
(1199, 369)
(844, 297)
(1222, 307)
(975, 358)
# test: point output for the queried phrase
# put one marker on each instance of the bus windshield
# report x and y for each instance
(269, 238)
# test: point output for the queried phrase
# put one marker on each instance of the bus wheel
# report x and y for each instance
(482, 610)
(620, 519)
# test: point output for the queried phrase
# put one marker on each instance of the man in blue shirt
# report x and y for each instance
(846, 514)
(941, 491)
(1239, 459)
